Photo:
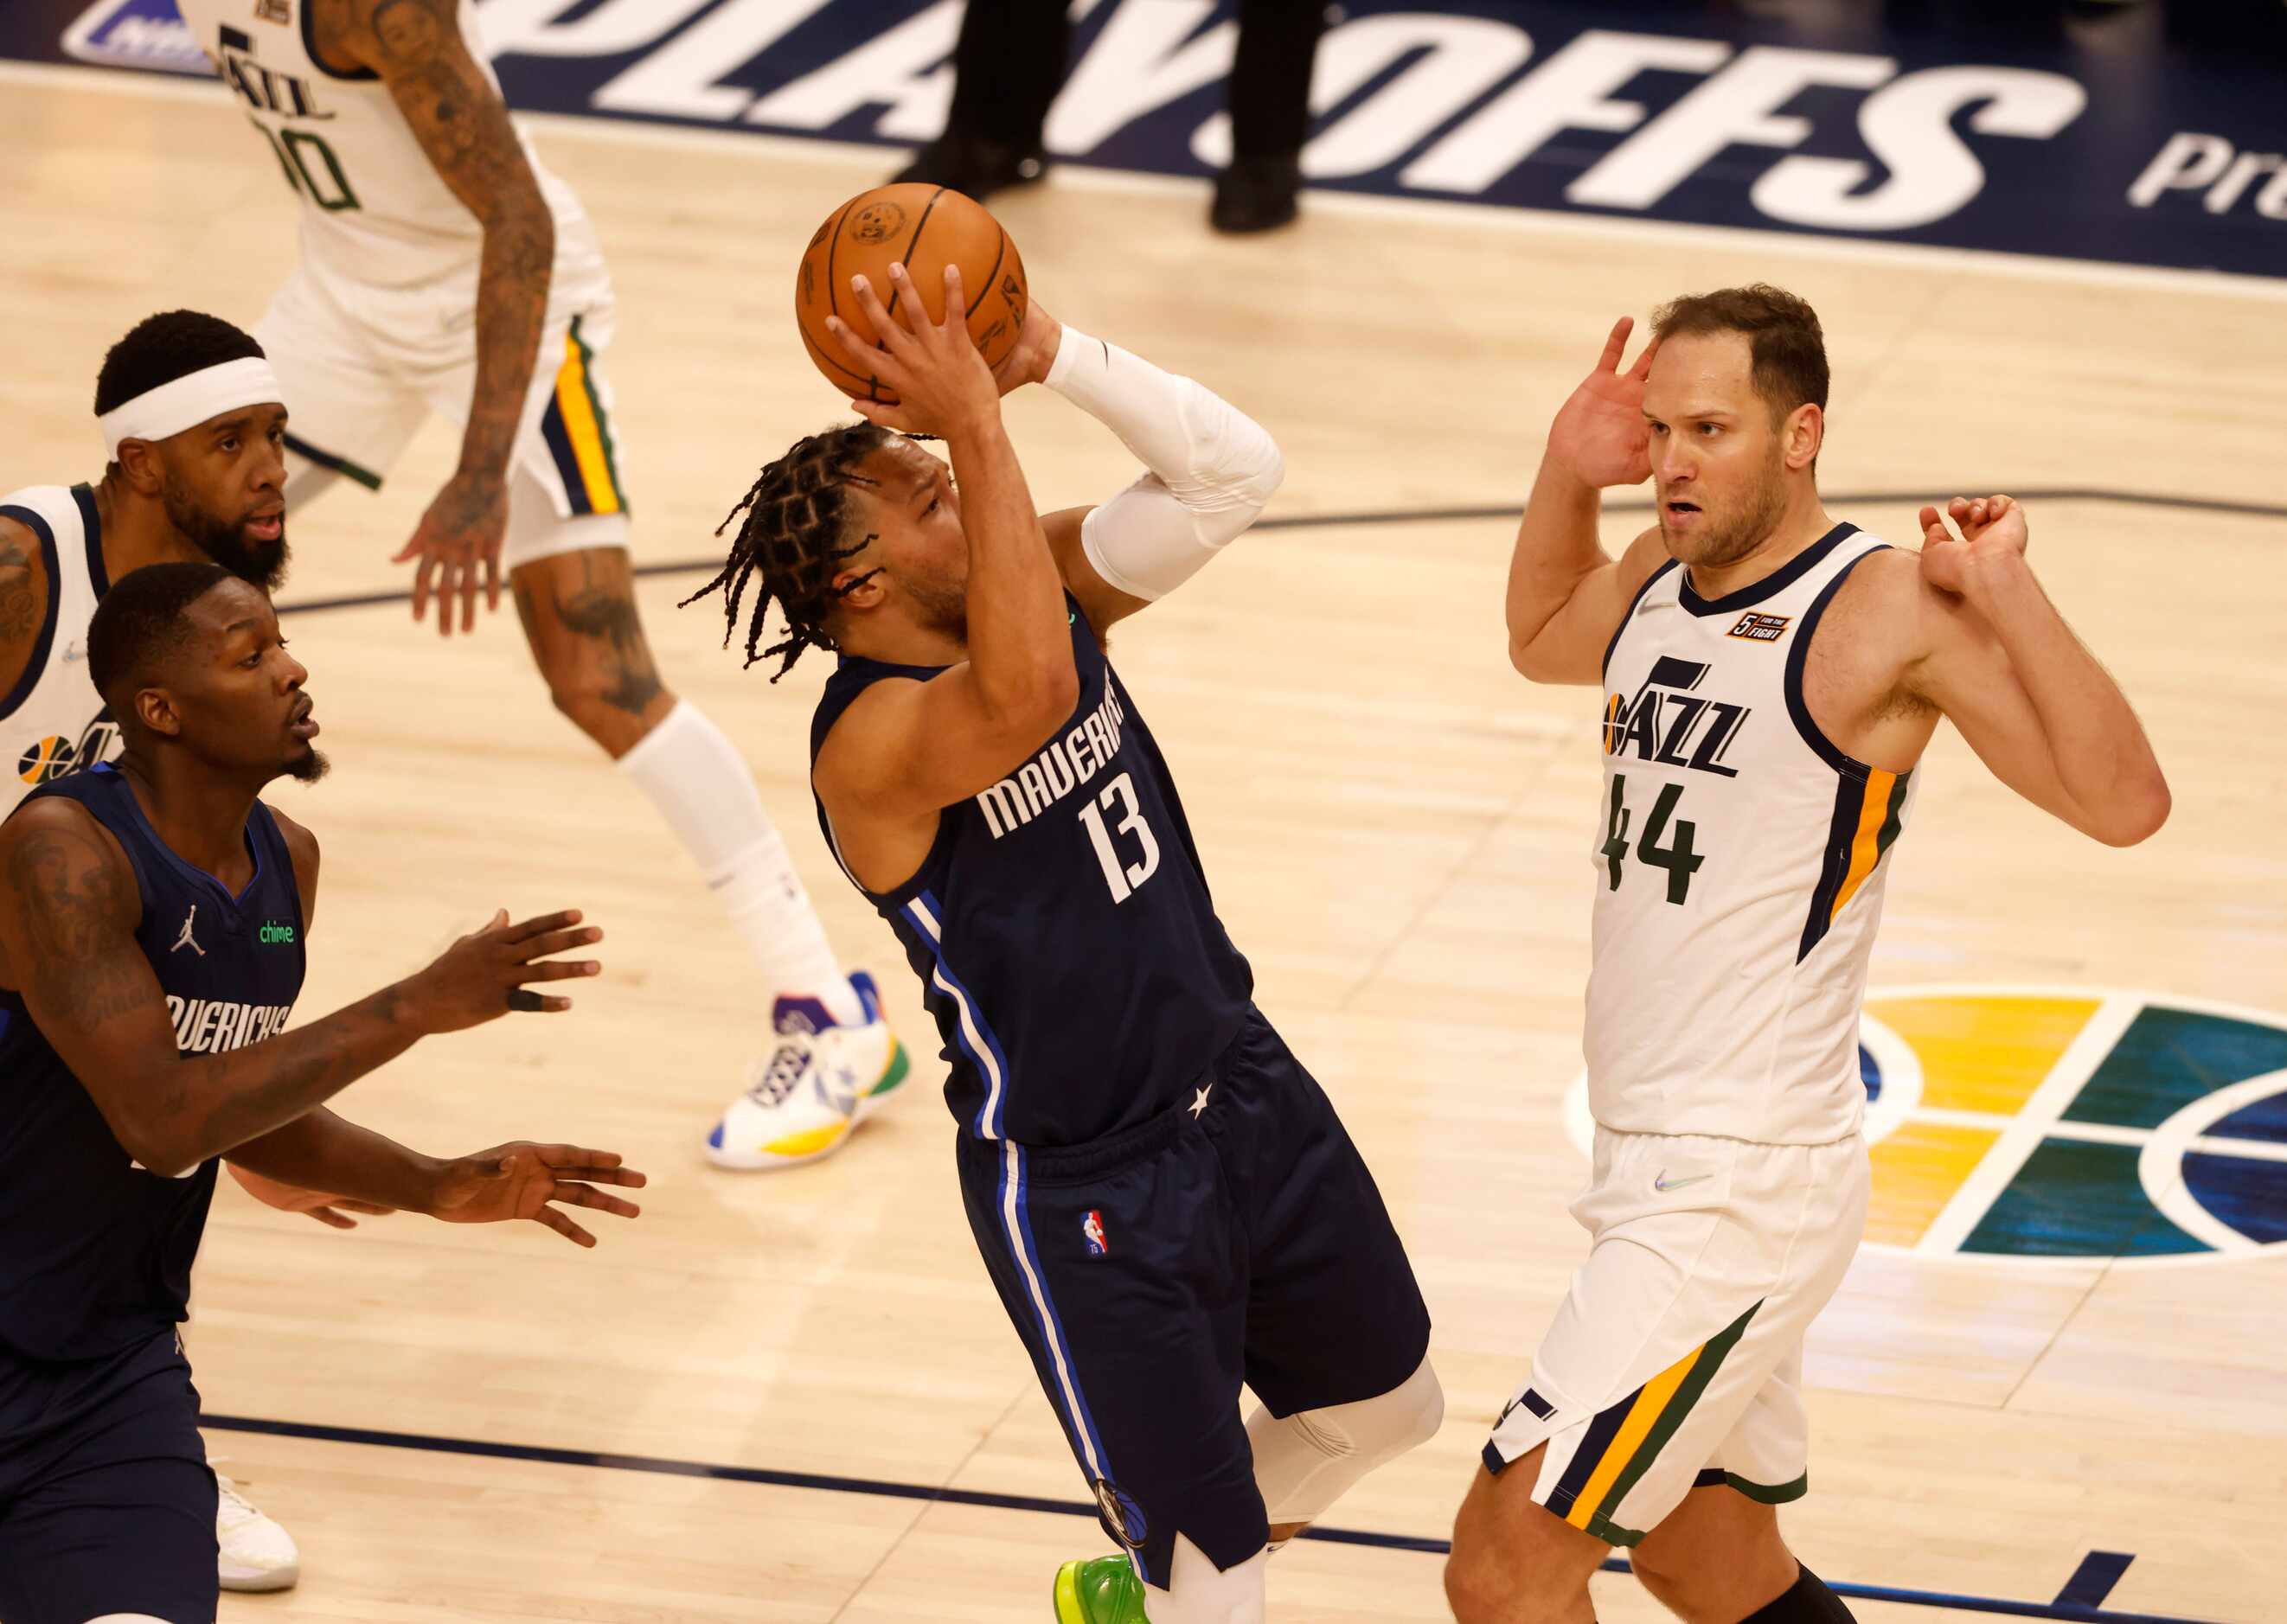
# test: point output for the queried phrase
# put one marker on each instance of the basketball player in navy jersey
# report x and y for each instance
(194, 432)
(154, 917)
(1163, 1196)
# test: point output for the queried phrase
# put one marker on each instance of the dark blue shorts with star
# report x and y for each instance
(1237, 1238)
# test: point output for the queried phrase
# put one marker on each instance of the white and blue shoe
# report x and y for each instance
(819, 1083)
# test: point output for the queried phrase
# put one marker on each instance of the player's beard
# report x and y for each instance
(1759, 516)
(262, 564)
(309, 767)
(940, 607)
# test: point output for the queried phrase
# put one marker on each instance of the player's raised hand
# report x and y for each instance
(524, 1180)
(1599, 432)
(942, 386)
(458, 542)
(489, 972)
(1992, 530)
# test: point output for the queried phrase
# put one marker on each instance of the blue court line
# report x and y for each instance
(2069, 1606)
(1434, 515)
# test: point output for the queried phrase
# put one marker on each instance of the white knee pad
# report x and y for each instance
(1305, 1463)
(127, 1618)
(1196, 1593)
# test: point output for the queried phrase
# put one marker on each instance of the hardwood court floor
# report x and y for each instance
(1396, 829)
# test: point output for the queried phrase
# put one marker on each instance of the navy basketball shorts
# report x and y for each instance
(1236, 1238)
(107, 1502)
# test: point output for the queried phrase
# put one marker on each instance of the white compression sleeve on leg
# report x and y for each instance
(1211, 467)
(1305, 1463)
(702, 786)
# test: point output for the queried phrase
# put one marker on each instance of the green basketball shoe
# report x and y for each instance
(1100, 1591)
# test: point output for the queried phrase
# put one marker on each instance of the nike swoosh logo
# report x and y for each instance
(1663, 1183)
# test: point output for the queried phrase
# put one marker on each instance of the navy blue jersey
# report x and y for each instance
(95, 1250)
(1061, 925)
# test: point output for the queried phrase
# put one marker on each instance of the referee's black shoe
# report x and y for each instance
(1257, 195)
(974, 166)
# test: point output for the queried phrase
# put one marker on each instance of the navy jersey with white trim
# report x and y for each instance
(1061, 925)
(95, 1249)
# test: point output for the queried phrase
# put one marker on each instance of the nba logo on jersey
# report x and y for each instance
(1091, 1229)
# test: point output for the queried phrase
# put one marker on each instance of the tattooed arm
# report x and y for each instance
(68, 912)
(23, 599)
(461, 124)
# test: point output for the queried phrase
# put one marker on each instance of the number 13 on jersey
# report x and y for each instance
(1119, 800)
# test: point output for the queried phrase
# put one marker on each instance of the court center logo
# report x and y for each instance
(2032, 1124)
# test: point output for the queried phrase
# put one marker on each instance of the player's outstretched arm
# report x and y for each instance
(510, 1182)
(463, 125)
(1994, 655)
(1208, 469)
(1566, 595)
(904, 749)
(68, 912)
(318, 1206)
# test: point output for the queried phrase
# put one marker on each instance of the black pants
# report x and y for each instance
(106, 1503)
(1014, 54)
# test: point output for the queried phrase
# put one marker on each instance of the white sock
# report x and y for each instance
(696, 777)
(1196, 1593)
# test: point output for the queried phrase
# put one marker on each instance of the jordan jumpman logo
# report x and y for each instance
(185, 939)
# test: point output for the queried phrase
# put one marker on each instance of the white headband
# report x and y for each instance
(189, 401)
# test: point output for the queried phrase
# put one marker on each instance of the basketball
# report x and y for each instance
(926, 228)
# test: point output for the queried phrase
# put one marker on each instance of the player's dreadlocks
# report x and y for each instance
(794, 537)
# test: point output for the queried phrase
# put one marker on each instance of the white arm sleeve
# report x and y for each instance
(1211, 467)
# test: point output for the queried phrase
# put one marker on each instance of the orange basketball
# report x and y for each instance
(926, 228)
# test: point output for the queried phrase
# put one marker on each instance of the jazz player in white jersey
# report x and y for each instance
(444, 270)
(1771, 677)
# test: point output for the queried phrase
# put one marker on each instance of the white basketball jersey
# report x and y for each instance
(54, 723)
(1740, 868)
(375, 212)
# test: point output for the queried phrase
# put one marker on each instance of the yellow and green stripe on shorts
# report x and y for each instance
(578, 430)
(1622, 1440)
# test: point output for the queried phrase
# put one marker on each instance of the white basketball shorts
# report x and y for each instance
(1676, 1361)
(362, 368)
